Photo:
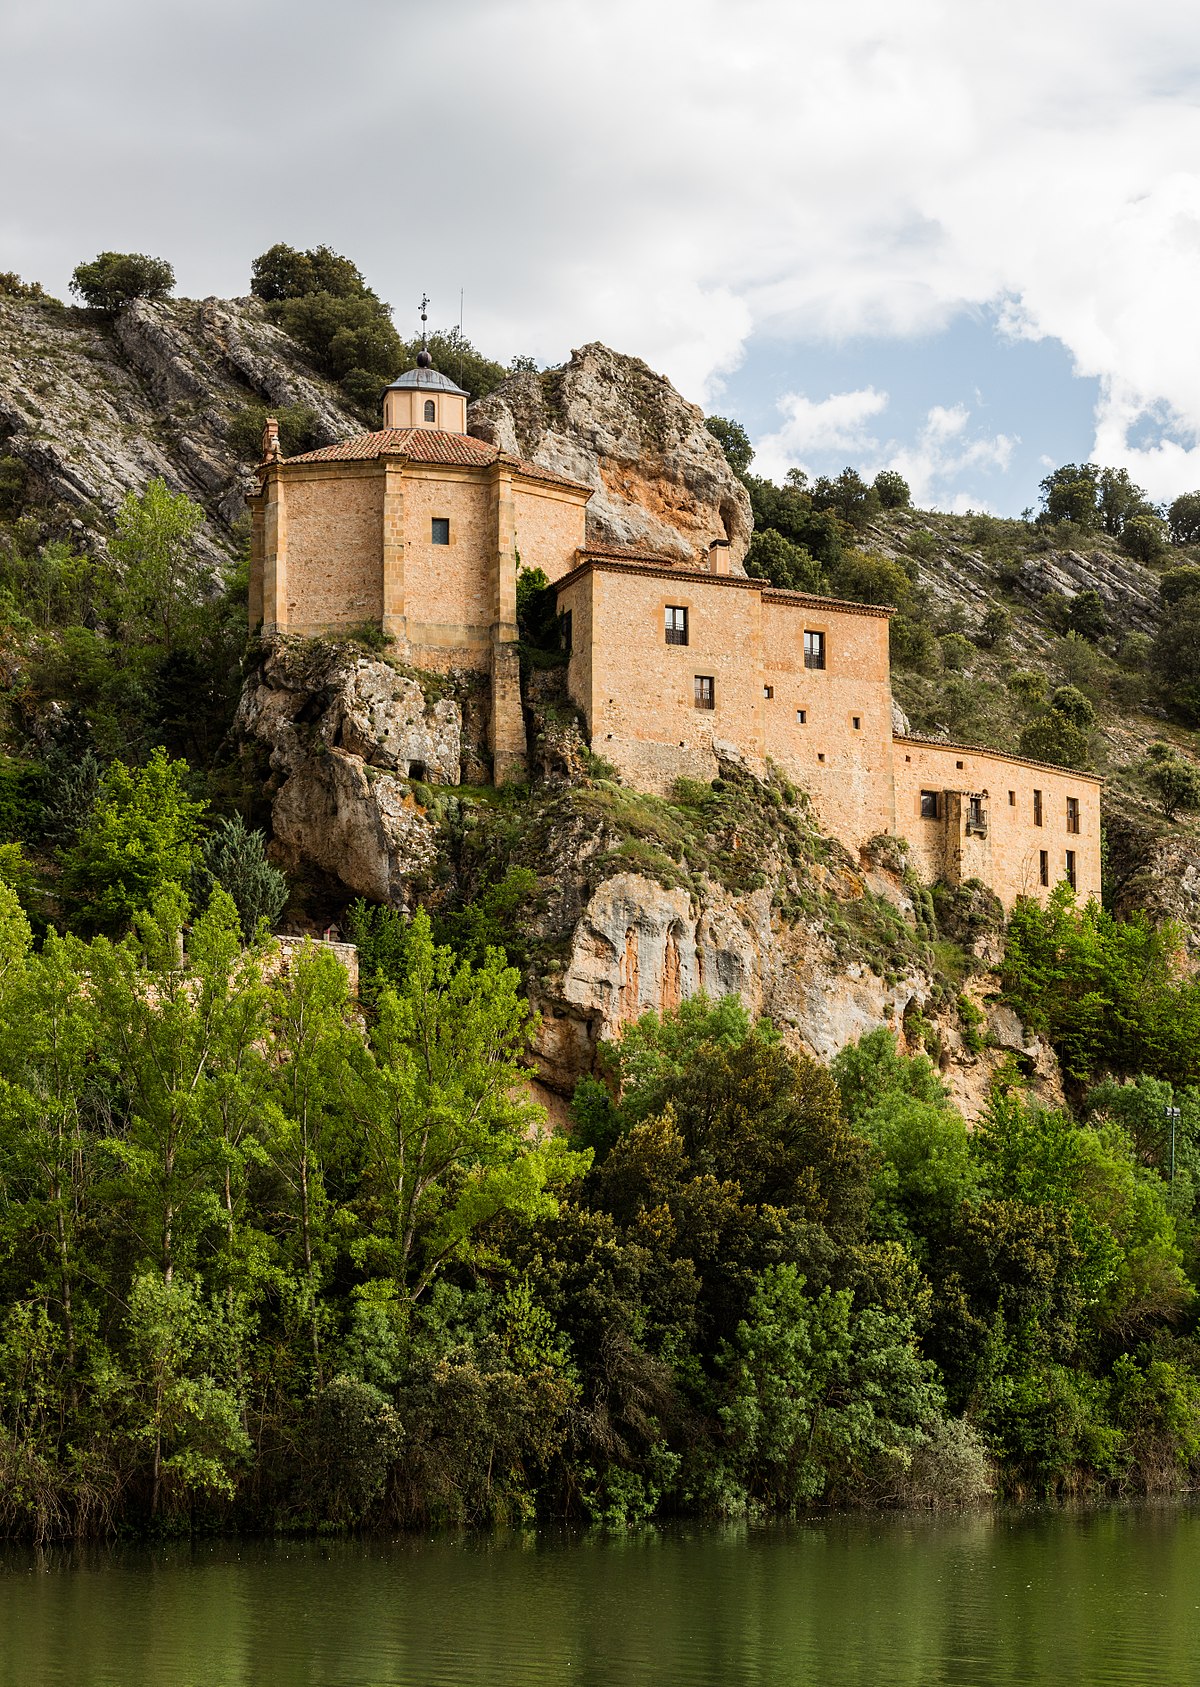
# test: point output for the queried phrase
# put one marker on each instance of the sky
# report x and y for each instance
(960, 240)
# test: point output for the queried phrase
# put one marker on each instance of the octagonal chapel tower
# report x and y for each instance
(425, 398)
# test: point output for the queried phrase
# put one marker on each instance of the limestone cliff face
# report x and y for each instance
(95, 410)
(364, 761)
(345, 735)
(661, 480)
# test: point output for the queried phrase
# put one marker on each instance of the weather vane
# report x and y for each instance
(424, 303)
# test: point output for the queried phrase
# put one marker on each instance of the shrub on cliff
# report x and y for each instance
(114, 279)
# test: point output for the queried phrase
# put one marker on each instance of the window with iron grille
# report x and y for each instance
(1072, 814)
(677, 624)
(1037, 808)
(1043, 866)
(1071, 868)
(929, 805)
(814, 650)
(441, 530)
(705, 698)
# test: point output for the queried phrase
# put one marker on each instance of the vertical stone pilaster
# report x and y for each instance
(256, 561)
(395, 622)
(507, 736)
(274, 571)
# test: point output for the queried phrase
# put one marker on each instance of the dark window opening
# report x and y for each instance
(768, 691)
(929, 805)
(820, 755)
(857, 719)
(677, 625)
(814, 650)
(958, 764)
(976, 816)
(1043, 866)
(1012, 799)
(1071, 868)
(441, 530)
(705, 698)
(1072, 814)
(430, 410)
(1037, 808)
(564, 625)
(801, 716)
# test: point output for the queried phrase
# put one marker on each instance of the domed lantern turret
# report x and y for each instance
(423, 397)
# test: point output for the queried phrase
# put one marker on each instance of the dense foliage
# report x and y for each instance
(114, 279)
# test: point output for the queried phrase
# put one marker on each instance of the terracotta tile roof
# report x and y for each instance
(625, 562)
(429, 445)
(424, 445)
(994, 755)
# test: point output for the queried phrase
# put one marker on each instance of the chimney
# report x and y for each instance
(718, 557)
(270, 441)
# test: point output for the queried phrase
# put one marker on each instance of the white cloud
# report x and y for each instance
(836, 423)
(669, 177)
(943, 452)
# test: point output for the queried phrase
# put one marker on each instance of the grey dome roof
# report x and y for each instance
(429, 380)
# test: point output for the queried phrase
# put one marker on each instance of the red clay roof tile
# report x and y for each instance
(427, 445)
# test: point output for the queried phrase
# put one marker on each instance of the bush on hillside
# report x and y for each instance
(114, 279)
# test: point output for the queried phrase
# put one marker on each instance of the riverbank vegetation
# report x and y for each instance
(271, 1257)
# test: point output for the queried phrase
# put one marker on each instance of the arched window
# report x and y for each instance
(430, 411)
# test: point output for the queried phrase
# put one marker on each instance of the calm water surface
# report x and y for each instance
(1085, 1599)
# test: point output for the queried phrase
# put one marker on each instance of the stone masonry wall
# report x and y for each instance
(841, 751)
(334, 576)
(447, 588)
(1008, 857)
(550, 527)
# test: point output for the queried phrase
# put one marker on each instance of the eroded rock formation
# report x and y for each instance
(661, 480)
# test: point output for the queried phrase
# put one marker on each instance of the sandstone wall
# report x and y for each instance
(841, 751)
(448, 596)
(334, 528)
(1008, 857)
(551, 526)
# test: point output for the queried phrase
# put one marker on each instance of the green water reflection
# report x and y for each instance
(1100, 1597)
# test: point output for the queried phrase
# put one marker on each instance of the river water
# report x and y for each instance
(1084, 1598)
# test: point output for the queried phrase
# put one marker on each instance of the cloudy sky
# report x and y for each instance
(960, 239)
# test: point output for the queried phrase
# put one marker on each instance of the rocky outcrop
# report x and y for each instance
(661, 480)
(95, 409)
(345, 736)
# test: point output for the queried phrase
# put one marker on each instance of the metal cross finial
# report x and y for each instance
(424, 304)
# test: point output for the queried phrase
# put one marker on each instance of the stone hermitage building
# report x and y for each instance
(419, 529)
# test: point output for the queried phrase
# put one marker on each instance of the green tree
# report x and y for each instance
(892, 490)
(1145, 536)
(1087, 616)
(235, 858)
(1071, 494)
(1174, 780)
(778, 560)
(734, 442)
(1176, 584)
(449, 1143)
(1183, 519)
(162, 575)
(848, 496)
(114, 279)
(142, 835)
(1119, 501)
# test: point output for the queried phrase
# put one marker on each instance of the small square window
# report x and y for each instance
(929, 805)
(676, 618)
(704, 695)
(958, 764)
(801, 716)
(768, 691)
(441, 530)
(857, 719)
(1071, 868)
(814, 650)
(1043, 867)
(820, 755)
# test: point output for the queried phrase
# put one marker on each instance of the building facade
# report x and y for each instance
(419, 529)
